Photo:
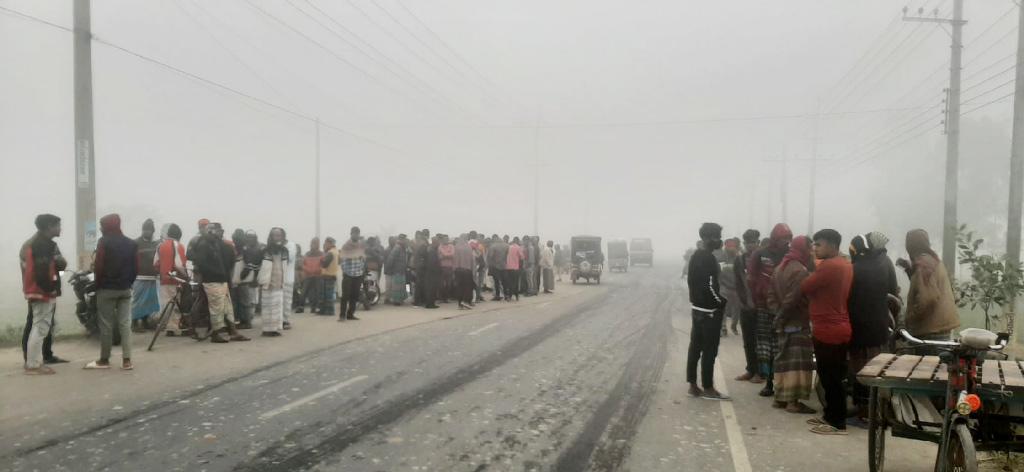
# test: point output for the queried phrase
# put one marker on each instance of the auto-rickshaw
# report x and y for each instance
(587, 258)
(618, 255)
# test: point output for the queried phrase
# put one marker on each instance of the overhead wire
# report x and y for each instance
(421, 85)
(239, 60)
(209, 82)
(340, 58)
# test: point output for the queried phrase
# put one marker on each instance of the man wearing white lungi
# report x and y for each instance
(276, 277)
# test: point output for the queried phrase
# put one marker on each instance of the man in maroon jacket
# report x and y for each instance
(116, 268)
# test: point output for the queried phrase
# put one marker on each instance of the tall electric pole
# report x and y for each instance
(536, 177)
(1013, 229)
(949, 216)
(316, 185)
(85, 165)
(814, 172)
(782, 189)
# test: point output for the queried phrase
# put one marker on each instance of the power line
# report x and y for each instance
(880, 152)
(234, 56)
(992, 102)
(871, 72)
(415, 37)
(205, 80)
(423, 85)
(445, 44)
(374, 80)
(993, 89)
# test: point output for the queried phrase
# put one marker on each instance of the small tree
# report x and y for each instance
(994, 282)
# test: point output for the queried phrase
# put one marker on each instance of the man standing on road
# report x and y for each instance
(497, 254)
(707, 312)
(874, 280)
(748, 311)
(828, 292)
(41, 263)
(353, 268)
(759, 279)
(145, 294)
(214, 261)
(170, 257)
(547, 266)
(312, 282)
(330, 265)
(431, 272)
(116, 268)
(274, 274)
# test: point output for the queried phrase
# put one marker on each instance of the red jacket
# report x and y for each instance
(828, 291)
(42, 263)
(165, 260)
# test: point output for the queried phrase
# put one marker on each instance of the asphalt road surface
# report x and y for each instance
(588, 383)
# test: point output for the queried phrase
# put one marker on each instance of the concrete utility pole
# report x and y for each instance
(536, 178)
(1016, 162)
(814, 173)
(782, 189)
(316, 185)
(85, 165)
(949, 216)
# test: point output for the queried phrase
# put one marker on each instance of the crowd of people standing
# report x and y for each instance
(803, 307)
(235, 279)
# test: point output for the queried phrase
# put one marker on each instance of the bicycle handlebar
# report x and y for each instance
(913, 340)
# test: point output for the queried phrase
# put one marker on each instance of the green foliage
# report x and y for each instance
(994, 281)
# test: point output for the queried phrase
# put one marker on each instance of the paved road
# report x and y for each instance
(569, 385)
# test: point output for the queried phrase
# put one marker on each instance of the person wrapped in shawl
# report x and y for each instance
(760, 270)
(145, 292)
(931, 307)
(794, 363)
(276, 276)
(395, 266)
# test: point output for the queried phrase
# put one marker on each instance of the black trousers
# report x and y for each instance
(47, 342)
(511, 283)
(431, 285)
(748, 326)
(464, 285)
(831, 364)
(499, 282)
(419, 287)
(705, 336)
(351, 288)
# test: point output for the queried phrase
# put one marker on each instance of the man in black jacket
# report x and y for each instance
(708, 310)
(214, 261)
(874, 280)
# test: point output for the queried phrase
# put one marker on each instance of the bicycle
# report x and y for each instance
(193, 317)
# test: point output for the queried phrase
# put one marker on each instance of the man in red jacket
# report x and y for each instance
(41, 284)
(828, 290)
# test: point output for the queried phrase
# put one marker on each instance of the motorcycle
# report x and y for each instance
(371, 290)
(83, 283)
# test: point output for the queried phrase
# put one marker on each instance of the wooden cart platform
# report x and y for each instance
(913, 372)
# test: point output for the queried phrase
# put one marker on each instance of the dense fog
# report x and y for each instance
(633, 119)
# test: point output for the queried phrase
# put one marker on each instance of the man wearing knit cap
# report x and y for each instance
(748, 310)
(145, 293)
(708, 307)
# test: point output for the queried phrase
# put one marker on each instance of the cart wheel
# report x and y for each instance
(876, 433)
(960, 453)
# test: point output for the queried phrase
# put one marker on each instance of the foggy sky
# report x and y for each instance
(625, 94)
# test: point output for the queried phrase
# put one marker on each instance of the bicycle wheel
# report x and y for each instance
(161, 325)
(876, 432)
(960, 453)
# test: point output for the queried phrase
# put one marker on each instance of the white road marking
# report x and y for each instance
(485, 328)
(740, 459)
(309, 398)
